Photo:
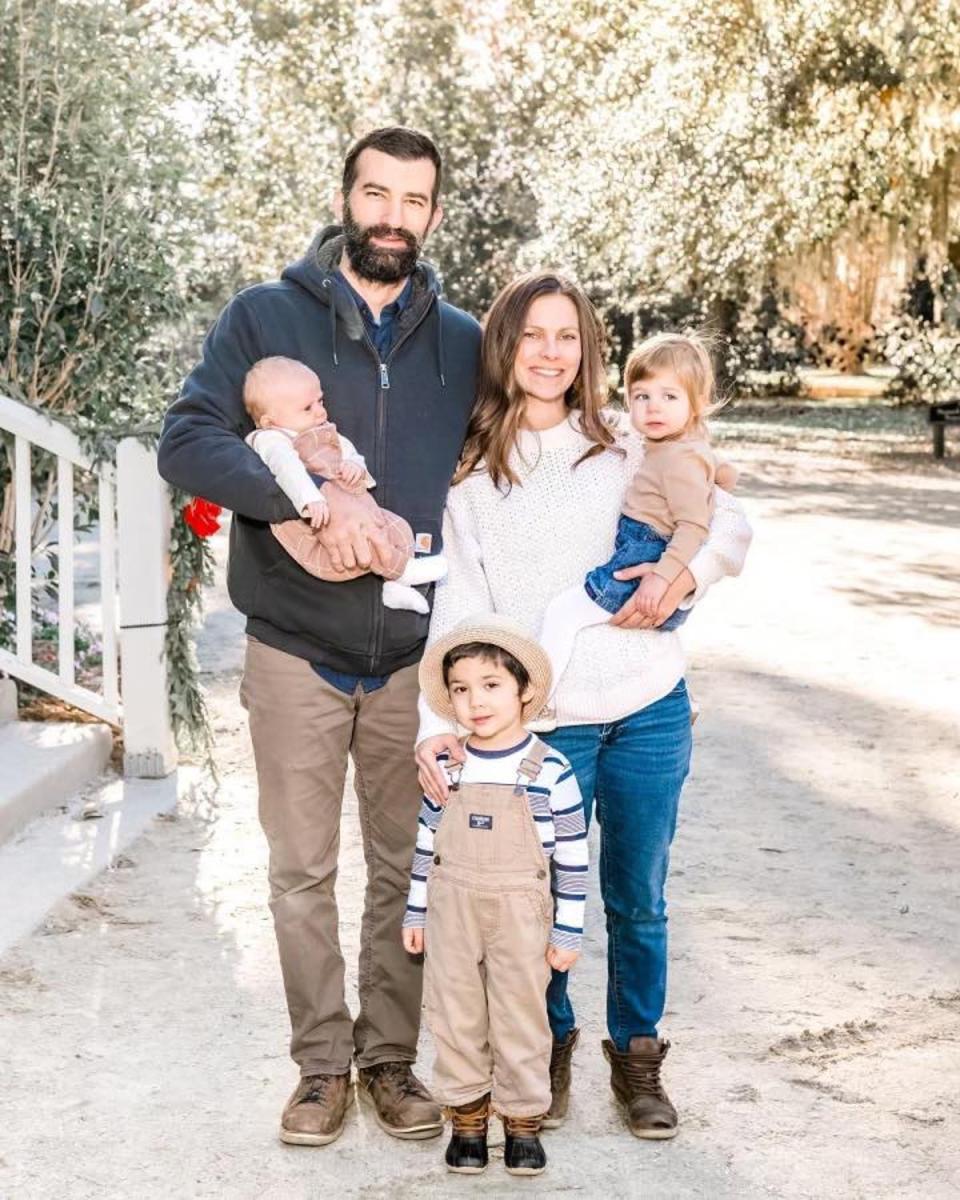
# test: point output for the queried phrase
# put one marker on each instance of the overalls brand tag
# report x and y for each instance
(480, 821)
(423, 542)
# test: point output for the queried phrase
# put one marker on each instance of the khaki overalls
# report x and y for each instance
(489, 915)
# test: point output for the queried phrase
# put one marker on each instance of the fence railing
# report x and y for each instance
(133, 542)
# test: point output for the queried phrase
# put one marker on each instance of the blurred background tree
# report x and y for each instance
(780, 170)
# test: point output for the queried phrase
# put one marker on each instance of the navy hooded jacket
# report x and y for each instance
(407, 416)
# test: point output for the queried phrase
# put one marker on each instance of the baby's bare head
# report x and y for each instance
(281, 392)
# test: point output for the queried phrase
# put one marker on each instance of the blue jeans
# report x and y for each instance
(635, 769)
(636, 542)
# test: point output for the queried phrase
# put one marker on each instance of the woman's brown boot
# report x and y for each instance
(467, 1148)
(560, 1057)
(635, 1079)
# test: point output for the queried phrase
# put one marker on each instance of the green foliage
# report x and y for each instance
(192, 562)
(662, 152)
(98, 231)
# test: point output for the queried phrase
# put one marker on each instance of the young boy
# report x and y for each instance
(294, 438)
(511, 832)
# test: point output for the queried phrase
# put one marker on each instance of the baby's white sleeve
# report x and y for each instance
(292, 477)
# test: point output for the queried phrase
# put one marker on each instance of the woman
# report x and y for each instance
(534, 506)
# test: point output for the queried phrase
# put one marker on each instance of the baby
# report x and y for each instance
(295, 440)
(669, 386)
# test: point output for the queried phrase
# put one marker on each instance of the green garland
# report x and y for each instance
(192, 564)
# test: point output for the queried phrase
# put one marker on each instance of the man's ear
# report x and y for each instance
(527, 696)
(338, 205)
(435, 219)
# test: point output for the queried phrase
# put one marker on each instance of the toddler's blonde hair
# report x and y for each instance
(687, 355)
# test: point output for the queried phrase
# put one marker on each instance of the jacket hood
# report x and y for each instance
(314, 273)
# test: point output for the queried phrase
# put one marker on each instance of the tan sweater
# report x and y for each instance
(673, 492)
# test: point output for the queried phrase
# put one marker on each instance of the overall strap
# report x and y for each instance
(531, 765)
(455, 770)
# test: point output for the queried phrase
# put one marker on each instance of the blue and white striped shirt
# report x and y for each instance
(557, 809)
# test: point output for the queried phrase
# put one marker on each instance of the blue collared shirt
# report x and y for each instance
(381, 332)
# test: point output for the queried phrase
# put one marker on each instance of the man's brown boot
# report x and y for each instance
(315, 1113)
(560, 1057)
(401, 1104)
(635, 1079)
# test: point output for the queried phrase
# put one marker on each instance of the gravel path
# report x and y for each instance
(815, 988)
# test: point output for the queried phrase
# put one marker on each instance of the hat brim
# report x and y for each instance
(501, 632)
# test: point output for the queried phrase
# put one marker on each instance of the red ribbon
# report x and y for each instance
(201, 515)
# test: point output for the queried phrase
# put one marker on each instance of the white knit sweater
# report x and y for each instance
(513, 553)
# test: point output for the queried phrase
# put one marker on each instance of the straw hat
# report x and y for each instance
(496, 630)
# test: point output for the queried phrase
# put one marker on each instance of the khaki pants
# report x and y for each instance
(489, 913)
(302, 730)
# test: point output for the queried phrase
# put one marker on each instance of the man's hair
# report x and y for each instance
(398, 142)
(489, 653)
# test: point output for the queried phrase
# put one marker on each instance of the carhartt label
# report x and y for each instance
(480, 821)
(423, 542)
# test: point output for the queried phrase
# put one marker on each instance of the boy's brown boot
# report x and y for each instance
(560, 1057)
(635, 1079)
(467, 1148)
(315, 1113)
(523, 1153)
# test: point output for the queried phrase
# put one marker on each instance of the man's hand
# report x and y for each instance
(413, 940)
(630, 616)
(433, 778)
(351, 475)
(650, 593)
(317, 513)
(560, 960)
(355, 524)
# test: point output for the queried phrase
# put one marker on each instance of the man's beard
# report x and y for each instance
(376, 263)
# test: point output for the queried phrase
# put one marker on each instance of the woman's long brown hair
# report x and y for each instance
(495, 423)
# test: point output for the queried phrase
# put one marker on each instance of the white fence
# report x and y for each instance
(134, 534)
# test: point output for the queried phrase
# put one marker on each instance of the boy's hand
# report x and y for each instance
(413, 940)
(560, 960)
(649, 594)
(317, 513)
(351, 474)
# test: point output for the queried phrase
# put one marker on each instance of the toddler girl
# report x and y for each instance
(669, 386)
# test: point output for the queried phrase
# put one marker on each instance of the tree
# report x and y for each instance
(98, 228)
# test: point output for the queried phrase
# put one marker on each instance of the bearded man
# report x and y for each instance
(329, 671)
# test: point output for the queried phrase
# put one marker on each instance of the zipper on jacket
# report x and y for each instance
(381, 454)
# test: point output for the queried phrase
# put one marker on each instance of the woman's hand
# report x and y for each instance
(560, 960)
(631, 615)
(413, 940)
(433, 778)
